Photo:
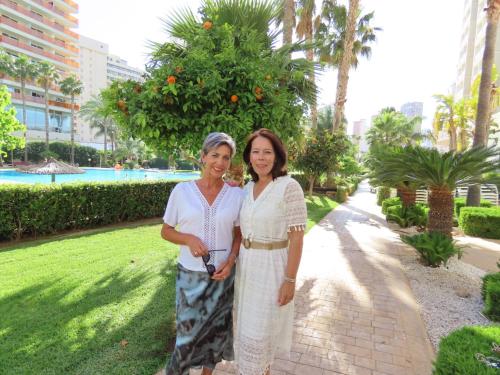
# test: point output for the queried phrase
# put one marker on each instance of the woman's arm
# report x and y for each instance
(287, 290)
(225, 270)
(197, 247)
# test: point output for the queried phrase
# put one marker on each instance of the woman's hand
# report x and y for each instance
(197, 247)
(286, 293)
(225, 270)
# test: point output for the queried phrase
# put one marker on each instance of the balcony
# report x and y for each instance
(34, 99)
(37, 17)
(53, 9)
(26, 47)
(19, 26)
(29, 82)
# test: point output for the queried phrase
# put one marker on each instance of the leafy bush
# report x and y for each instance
(389, 202)
(342, 194)
(491, 296)
(480, 221)
(32, 210)
(383, 193)
(457, 351)
(408, 216)
(434, 248)
(37, 153)
(301, 179)
(460, 202)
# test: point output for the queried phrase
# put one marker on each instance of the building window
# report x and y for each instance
(37, 30)
(36, 46)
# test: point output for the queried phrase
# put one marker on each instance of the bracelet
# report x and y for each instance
(289, 279)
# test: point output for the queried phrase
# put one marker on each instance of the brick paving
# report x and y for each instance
(355, 312)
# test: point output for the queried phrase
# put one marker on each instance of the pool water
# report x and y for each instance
(99, 174)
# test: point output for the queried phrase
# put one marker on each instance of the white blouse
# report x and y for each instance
(188, 208)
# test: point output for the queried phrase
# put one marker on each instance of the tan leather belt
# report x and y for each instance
(249, 244)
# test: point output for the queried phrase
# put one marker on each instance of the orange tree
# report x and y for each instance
(221, 72)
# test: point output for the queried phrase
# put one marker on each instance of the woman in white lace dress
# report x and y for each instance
(273, 219)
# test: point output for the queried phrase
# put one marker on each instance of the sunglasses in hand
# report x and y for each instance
(206, 258)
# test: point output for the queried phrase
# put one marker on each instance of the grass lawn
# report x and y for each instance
(317, 208)
(457, 351)
(96, 303)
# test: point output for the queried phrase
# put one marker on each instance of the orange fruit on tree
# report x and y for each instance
(268, 77)
(207, 25)
(259, 97)
(234, 98)
(171, 80)
(178, 69)
(258, 90)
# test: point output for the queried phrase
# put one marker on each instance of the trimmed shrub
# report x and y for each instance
(480, 221)
(491, 296)
(389, 202)
(342, 194)
(434, 248)
(407, 217)
(32, 210)
(457, 351)
(383, 193)
(460, 202)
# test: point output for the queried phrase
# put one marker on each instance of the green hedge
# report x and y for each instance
(389, 202)
(32, 210)
(460, 202)
(480, 221)
(63, 151)
(382, 194)
(491, 296)
(457, 351)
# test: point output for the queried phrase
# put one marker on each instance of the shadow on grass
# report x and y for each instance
(49, 328)
(29, 242)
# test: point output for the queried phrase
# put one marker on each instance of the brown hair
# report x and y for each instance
(279, 167)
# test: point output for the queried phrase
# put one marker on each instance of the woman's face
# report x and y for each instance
(262, 156)
(216, 161)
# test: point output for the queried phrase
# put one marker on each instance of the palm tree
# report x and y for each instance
(487, 94)
(23, 69)
(444, 118)
(305, 29)
(288, 20)
(72, 87)
(391, 129)
(441, 173)
(464, 114)
(344, 35)
(97, 113)
(47, 76)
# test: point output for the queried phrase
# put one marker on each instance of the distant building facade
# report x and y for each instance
(42, 31)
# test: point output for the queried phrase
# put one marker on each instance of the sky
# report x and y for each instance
(415, 56)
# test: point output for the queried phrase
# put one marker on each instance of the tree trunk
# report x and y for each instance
(47, 118)
(440, 211)
(463, 139)
(311, 185)
(72, 157)
(483, 104)
(452, 131)
(23, 85)
(345, 64)
(310, 57)
(288, 21)
(105, 142)
(408, 197)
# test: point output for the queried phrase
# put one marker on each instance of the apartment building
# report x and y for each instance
(41, 30)
(98, 68)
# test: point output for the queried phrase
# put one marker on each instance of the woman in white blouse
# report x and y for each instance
(273, 219)
(202, 217)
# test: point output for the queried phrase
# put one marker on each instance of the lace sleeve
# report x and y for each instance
(295, 207)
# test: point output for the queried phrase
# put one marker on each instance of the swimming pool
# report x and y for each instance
(98, 174)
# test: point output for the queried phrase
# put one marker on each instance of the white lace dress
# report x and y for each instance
(263, 328)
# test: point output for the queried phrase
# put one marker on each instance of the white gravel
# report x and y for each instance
(449, 297)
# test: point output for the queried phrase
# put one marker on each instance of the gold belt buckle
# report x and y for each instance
(246, 243)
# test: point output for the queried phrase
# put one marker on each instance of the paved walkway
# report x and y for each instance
(355, 312)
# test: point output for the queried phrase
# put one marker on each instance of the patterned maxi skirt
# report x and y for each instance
(204, 321)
